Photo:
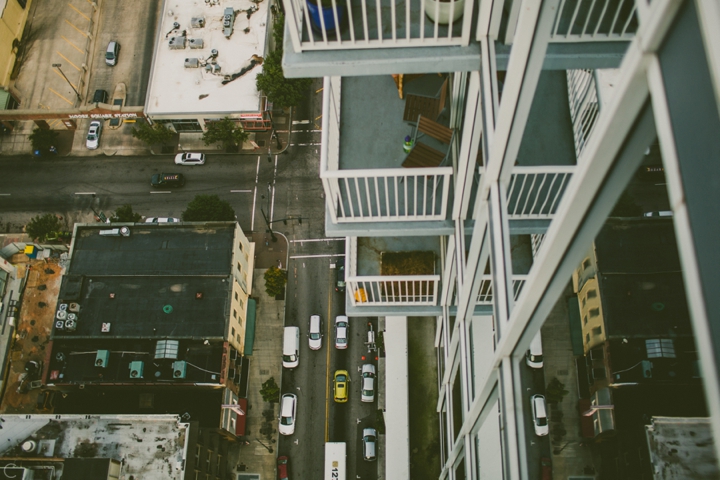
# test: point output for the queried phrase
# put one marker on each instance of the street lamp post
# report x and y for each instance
(58, 65)
(284, 220)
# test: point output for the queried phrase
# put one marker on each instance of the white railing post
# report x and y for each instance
(393, 290)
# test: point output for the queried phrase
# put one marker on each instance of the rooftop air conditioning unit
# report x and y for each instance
(29, 446)
(196, 43)
(136, 369)
(102, 358)
(105, 328)
(74, 308)
(197, 22)
(61, 314)
(70, 325)
(63, 306)
(177, 43)
(60, 325)
(214, 68)
(179, 369)
(192, 63)
(72, 316)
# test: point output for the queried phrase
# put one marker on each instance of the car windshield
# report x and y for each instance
(286, 420)
(340, 378)
(92, 136)
(315, 336)
(289, 358)
(109, 55)
(542, 421)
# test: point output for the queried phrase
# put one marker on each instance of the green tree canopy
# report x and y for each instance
(125, 214)
(42, 139)
(41, 226)
(154, 134)
(275, 280)
(228, 132)
(286, 92)
(204, 208)
(270, 391)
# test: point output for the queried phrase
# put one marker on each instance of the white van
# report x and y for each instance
(534, 357)
(291, 347)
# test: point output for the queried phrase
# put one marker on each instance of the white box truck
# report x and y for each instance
(335, 461)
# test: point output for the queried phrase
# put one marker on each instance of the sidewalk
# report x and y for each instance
(265, 362)
(121, 142)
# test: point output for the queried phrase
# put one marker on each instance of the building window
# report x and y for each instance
(236, 296)
(592, 293)
(594, 312)
(232, 329)
(583, 303)
(239, 267)
(238, 338)
(585, 320)
(22, 3)
(586, 264)
(207, 462)
(197, 454)
(240, 245)
(217, 466)
(186, 126)
(597, 331)
(197, 474)
(234, 313)
(587, 338)
(241, 303)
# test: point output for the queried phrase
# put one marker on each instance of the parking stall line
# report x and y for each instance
(257, 174)
(59, 75)
(60, 95)
(72, 44)
(160, 192)
(76, 28)
(68, 60)
(79, 12)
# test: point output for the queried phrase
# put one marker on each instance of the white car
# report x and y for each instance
(288, 406)
(540, 419)
(93, 136)
(341, 332)
(315, 332)
(162, 220)
(190, 159)
(368, 383)
(369, 441)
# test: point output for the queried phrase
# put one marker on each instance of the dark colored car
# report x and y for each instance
(282, 464)
(167, 180)
(100, 96)
(340, 276)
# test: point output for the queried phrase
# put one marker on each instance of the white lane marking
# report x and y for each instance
(84, 193)
(272, 204)
(257, 173)
(160, 192)
(240, 191)
(305, 144)
(300, 122)
(319, 256)
(5, 194)
(318, 240)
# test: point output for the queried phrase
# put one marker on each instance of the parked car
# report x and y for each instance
(282, 468)
(288, 406)
(340, 276)
(368, 383)
(315, 332)
(534, 356)
(93, 136)
(540, 419)
(190, 159)
(100, 96)
(341, 332)
(369, 441)
(340, 387)
(662, 213)
(111, 53)
(164, 180)
(162, 220)
(118, 100)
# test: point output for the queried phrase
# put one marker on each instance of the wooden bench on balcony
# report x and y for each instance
(428, 107)
(423, 155)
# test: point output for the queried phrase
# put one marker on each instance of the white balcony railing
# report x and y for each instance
(485, 294)
(584, 107)
(595, 20)
(535, 192)
(393, 290)
(393, 194)
(377, 24)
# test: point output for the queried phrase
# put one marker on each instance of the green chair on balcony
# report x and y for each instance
(423, 155)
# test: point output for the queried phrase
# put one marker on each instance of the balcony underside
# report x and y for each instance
(407, 310)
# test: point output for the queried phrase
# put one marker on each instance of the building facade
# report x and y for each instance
(524, 157)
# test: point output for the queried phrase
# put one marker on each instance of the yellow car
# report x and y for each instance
(340, 386)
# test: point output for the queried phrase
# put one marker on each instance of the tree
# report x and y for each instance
(286, 92)
(152, 134)
(206, 208)
(226, 131)
(270, 391)
(275, 280)
(41, 226)
(125, 214)
(42, 139)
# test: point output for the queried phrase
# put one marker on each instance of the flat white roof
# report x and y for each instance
(175, 90)
(397, 423)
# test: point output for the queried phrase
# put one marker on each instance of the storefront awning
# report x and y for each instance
(250, 327)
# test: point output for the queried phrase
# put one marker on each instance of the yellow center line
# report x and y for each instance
(79, 12)
(59, 95)
(76, 28)
(327, 372)
(59, 75)
(72, 44)
(68, 60)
